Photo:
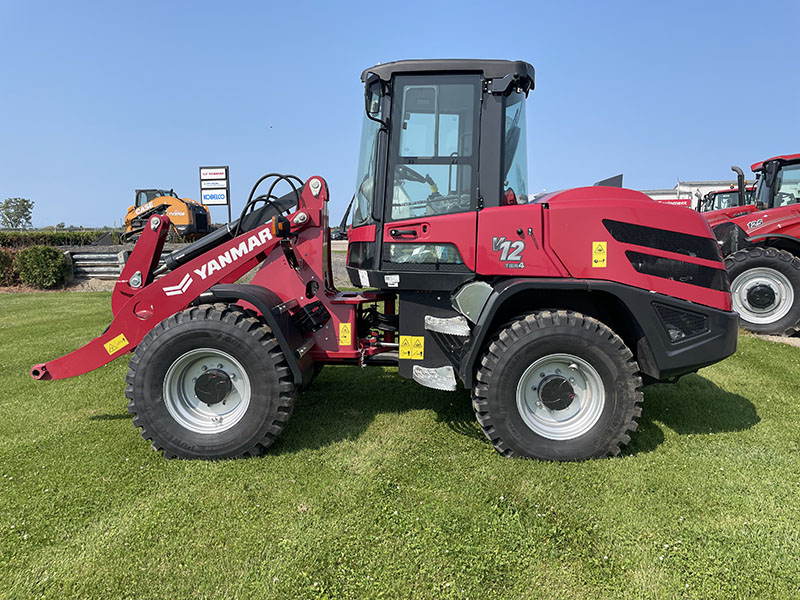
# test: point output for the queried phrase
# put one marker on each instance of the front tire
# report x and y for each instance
(557, 385)
(210, 382)
(765, 289)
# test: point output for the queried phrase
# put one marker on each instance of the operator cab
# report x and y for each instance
(441, 139)
(778, 182)
(726, 199)
(145, 196)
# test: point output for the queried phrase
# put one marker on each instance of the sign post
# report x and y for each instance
(215, 187)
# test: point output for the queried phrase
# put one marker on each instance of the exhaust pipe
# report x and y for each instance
(740, 182)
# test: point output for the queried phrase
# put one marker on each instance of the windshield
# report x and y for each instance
(786, 190)
(515, 154)
(723, 200)
(365, 176)
(787, 186)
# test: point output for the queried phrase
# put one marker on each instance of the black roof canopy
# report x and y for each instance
(516, 70)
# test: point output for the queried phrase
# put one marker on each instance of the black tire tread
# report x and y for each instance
(735, 260)
(249, 324)
(542, 320)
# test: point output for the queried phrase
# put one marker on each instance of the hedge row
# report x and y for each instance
(41, 267)
(23, 239)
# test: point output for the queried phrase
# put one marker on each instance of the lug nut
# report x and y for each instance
(204, 368)
(558, 371)
(219, 366)
(574, 367)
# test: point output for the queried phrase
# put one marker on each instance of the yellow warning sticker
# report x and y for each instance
(344, 334)
(412, 346)
(115, 345)
(599, 254)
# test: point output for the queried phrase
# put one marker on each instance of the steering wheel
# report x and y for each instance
(409, 174)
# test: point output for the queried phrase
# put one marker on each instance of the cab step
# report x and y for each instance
(437, 378)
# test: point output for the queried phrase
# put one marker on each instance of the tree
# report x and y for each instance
(16, 213)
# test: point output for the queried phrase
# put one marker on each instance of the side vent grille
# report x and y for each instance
(678, 270)
(680, 324)
(663, 239)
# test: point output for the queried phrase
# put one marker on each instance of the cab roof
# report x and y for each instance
(489, 69)
(759, 166)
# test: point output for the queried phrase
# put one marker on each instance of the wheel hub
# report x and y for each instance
(556, 393)
(761, 296)
(213, 386)
(207, 391)
(560, 396)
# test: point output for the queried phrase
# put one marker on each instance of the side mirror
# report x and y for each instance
(771, 173)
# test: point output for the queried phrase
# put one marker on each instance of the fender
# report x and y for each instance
(276, 315)
(768, 236)
(658, 356)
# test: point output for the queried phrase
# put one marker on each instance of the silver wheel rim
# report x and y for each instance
(775, 280)
(577, 418)
(187, 409)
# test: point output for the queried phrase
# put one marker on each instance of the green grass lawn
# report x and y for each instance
(382, 488)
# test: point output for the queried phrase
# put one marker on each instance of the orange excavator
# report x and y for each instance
(190, 220)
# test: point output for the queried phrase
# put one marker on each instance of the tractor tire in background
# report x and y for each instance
(765, 288)
(557, 385)
(210, 382)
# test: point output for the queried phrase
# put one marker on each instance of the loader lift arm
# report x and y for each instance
(139, 303)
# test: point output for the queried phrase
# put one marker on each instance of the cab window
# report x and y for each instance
(432, 164)
(515, 154)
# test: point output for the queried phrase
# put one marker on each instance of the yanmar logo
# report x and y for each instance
(175, 290)
(222, 260)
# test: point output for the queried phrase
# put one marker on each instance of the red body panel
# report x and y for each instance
(576, 226)
(457, 229)
(784, 220)
(715, 217)
(513, 224)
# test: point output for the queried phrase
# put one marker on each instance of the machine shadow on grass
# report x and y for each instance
(325, 414)
(693, 405)
(343, 401)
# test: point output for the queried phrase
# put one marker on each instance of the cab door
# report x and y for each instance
(431, 202)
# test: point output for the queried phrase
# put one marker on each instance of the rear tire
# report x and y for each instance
(765, 289)
(210, 382)
(557, 385)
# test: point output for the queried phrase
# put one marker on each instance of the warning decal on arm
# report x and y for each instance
(344, 334)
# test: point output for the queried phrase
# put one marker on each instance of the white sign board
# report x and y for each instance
(213, 184)
(213, 172)
(214, 187)
(214, 197)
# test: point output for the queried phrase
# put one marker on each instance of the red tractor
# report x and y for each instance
(730, 198)
(553, 312)
(761, 244)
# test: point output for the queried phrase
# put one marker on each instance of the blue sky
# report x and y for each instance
(100, 98)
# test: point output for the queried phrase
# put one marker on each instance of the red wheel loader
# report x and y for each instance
(760, 240)
(553, 312)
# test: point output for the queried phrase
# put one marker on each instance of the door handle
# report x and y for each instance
(396, 233)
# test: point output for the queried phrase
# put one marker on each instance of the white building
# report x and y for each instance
(688, 193)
